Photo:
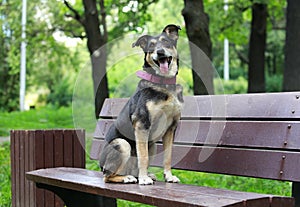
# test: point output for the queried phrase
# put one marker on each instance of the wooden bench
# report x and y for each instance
(253, 135)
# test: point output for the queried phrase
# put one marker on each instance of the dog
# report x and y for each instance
(150, 114)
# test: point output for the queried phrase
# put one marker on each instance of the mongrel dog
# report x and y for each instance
(150, 114)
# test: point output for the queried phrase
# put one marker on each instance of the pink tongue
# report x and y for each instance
(164, 67)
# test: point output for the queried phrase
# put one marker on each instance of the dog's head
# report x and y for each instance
(161, 57)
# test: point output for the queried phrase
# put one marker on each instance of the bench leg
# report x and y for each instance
(296, 193)
(73, 198)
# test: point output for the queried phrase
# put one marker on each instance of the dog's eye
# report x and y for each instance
(151, 45)
(166, 43)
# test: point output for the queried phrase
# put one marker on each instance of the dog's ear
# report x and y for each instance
(142, 42)
(172, 31)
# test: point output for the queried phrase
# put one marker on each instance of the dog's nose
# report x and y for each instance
(160, 52)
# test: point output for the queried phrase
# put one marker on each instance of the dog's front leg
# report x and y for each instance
(142, 136)
(167, 143)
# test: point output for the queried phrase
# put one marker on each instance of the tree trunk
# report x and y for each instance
(291, 81)
(257, 45)
(197, 22)
(96, 42)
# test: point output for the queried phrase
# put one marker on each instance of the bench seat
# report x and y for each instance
(159, 194)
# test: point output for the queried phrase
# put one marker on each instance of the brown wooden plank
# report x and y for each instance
(18, 168)
(68, 148)
(27, 153)
(13, 166)
(22, 166)
(252, 134)
(39, 158)
(160, 194)
(79, 149)
(31, 151)
(58, 159)
(96, 147)
(49, 162)
(243, 162)
(279, 165)
(262, 105)
(58, 148)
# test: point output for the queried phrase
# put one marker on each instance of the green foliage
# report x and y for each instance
(274, 83)
(127, 16)
(5, 175)
(48, 61)
(61, 94)
(231, 86)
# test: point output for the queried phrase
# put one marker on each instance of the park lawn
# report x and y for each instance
(43, 118)
(51, 117)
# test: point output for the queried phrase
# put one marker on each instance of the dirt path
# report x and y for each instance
(4, 139)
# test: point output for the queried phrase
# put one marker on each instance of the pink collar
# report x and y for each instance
(154, 78)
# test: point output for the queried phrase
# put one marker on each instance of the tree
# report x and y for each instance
(197, 22)
(48, 61)
(97, 34)
(292, 48)
(257, 46)
(92, 21)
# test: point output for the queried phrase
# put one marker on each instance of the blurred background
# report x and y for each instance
(251, 46)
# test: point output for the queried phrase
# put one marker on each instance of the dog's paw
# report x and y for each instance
(152, 176)
(145, 180)
(130, 179)
(171, 178)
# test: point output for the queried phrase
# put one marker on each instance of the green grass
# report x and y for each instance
(43, 118)
(49, 117)
(5, 176)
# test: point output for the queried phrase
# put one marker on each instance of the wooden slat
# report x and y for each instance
(49, 162)
(39, 157)
(254, 106)
(13, 167)
(22, 167)
(59, 148)
(68, 148)
(18, 170)
(58, 158)
(27, 153)
(32, 167)
(278, 165)
(251, 134)
(160, 194)
(79, 146)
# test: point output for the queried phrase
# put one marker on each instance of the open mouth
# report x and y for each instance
(163, 63)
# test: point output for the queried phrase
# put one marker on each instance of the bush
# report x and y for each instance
(61, 94)
(231, 86)
(274, 83)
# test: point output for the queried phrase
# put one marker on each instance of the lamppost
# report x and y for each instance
(226, 49)
(23, 57)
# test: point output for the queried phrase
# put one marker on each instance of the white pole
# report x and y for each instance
(23, 57)
(226, 49)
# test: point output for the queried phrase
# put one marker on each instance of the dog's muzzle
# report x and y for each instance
(162, 60)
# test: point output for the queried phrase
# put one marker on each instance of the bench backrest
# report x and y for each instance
(255, 135)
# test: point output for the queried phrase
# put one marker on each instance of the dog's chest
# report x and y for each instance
(162, 115)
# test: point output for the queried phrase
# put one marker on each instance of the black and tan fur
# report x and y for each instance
(151, 113)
